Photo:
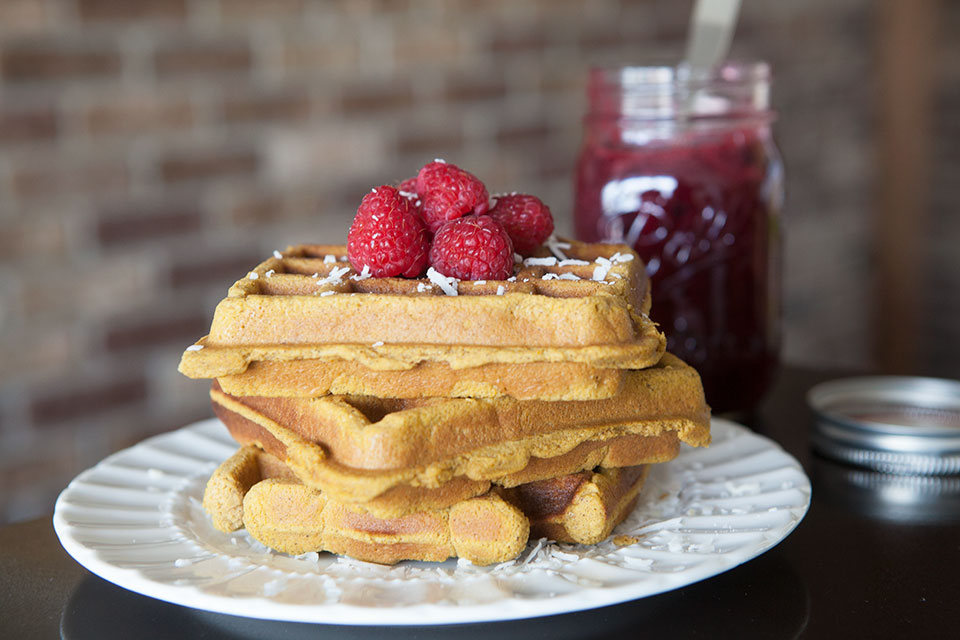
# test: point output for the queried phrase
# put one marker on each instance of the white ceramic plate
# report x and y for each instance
(135, 519)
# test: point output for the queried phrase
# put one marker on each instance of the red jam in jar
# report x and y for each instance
(685, 170)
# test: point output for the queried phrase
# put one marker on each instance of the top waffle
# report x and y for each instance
(587, 304)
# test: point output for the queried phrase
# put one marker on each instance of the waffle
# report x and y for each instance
(253, 489)
(580, 507)
(396, 455)
(308, 304)
(527, 381)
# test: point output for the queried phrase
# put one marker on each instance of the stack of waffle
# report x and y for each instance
(391, 419)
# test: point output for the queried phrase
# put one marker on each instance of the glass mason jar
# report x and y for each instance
(685, 170)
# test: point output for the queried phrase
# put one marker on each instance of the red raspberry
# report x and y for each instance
(448, 192)
(409, 185)
(472, 248)
(527, 220)
(388, 236)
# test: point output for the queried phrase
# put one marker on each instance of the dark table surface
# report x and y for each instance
(876, 557)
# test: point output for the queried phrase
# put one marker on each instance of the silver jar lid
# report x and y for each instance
(894, 424)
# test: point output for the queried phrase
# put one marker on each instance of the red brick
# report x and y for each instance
(87, 400)
(134, 114)
(243, 10)
(33, 235)
(133, 225)
(51, 350)
(555, 165)
(125, 438)
(430, 144)
(524, 134)
(209, 164)
(471, 88)
(319, 54)
(126, 335)
(206, 270)
(23, 16)
(27, 124)
(278, 106)
(53, 180)
(38, 469)
(602, 37)
(57, 61)
(426, 46)
(193, 58)
(127, 10)
(376, 95)
(255, 209)
(511, 42)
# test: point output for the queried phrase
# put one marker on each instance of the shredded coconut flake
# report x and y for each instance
(449, 285)
(378, 343)
(512, 279)
(316, 275)
(540, 262)
(421, 287)
(408, 195)
(551, 276)
(556, 247)
(363, 275)
(253, 275)
(269, 273)
(335, 277)
(569, 276)
(327, 293)
(277, 254)
(600, 273)
(329, 259)
(500, 290)
(195, 347)
(570, 262)
(517, 257)
(440, 160)
(621, 257)
(476, 282)
(604, 261)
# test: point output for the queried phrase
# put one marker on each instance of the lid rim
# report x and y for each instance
(937, 393)
(889, 462)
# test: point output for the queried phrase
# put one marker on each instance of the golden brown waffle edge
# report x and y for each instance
(551, 312)
(287, 516)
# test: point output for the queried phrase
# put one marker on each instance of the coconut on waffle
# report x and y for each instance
(252, 489)
(395, 456)
(585, 311)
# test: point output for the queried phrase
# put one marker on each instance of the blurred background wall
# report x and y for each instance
(151, 152)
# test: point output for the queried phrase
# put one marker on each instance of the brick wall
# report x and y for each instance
(153, 151)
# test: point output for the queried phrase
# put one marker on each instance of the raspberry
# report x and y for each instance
(527, 220)
(448, 192)
(409, 185)
(388, 236)
(472, 248)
